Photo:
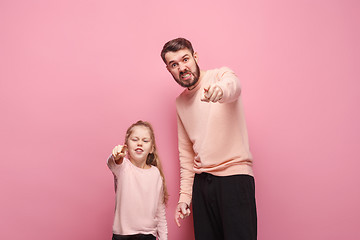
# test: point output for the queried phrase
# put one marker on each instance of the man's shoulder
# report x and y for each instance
(179, 98)
(182, 94)
(218, 71)
(222, 69)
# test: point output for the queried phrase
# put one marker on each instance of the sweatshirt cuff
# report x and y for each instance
(185, 198)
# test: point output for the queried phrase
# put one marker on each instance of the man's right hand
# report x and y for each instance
(182, 211)
(213, 93)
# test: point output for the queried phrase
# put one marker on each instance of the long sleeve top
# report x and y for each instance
(212, 137)
(139, 206)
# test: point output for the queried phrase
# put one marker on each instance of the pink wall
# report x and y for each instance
(75, 74)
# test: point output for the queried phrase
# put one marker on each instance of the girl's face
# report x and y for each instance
(139, 144)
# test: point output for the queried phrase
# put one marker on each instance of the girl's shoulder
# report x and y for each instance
(155, 170)
(152, 170)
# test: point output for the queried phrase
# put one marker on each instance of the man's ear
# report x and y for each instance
(196, 56)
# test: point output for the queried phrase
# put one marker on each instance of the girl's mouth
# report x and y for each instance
(139, 150)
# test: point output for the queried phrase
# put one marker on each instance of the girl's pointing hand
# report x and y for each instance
(119, 152)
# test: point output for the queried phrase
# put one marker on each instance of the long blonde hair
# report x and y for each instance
(152, 158)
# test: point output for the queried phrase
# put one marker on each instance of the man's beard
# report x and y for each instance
(193, 82)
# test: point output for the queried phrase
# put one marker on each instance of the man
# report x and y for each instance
(215, 161)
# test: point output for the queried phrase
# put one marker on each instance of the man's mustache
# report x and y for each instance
(187, 71)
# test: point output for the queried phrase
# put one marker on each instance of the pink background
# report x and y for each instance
(75, 74)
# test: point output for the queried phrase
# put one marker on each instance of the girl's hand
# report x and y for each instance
(119, 152)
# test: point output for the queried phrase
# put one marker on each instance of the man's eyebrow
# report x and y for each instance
(186, 55)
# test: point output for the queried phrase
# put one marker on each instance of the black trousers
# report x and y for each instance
(224, 208)
(134, 237)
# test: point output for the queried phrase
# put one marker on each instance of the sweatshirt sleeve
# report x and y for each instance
(229, 84)
(186, 155)
(113, 166)
(162, 224)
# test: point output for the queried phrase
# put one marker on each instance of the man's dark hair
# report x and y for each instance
(176, 45)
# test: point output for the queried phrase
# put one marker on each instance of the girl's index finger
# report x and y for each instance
(123, 149)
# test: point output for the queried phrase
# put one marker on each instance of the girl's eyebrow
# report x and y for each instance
(142, 138)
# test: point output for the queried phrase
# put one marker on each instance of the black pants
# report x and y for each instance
(224, 208)
(134, 237)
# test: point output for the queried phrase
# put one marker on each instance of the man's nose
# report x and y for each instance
(182, 67)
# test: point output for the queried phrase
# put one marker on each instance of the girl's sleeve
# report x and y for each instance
(112, 165)
(161, 216)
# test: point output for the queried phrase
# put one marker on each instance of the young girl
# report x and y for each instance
(140, 187)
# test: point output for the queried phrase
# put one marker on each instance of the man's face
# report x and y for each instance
(183, 67)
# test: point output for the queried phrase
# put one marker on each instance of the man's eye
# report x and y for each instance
(173, 65)
(186, 59)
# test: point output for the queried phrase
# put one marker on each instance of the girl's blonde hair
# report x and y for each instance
(152, 158)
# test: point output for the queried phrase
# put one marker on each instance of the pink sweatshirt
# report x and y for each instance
(139, 206)
(212, 137)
